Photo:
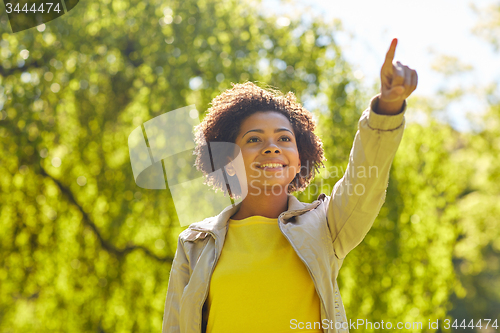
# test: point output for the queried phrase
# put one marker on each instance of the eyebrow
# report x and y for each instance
(262, 131)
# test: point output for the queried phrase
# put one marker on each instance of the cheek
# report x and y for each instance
(294, 156)
(248, 160)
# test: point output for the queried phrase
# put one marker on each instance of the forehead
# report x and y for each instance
(264, 120)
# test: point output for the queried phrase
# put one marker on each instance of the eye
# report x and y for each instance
(286, 138)
(253, 138)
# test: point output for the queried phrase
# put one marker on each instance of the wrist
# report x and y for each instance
(389, 108)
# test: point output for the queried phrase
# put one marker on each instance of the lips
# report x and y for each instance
(271, 165)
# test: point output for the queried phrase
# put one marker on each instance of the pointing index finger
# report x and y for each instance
(389, 57)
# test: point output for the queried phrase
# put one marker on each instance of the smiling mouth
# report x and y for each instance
(272, 166)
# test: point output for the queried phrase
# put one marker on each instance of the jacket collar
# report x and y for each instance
(217, 225)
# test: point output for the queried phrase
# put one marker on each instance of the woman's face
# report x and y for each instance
(269, 151)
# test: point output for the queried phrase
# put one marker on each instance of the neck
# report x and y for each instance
(265, 204)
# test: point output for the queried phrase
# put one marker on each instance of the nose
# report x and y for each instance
(272, 149)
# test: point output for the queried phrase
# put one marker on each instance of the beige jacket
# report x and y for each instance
(321, 232)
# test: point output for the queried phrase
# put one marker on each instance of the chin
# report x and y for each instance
(271, 189)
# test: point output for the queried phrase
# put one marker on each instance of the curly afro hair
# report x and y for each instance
(222, 124)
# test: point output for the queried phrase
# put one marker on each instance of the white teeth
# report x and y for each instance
(271, 165)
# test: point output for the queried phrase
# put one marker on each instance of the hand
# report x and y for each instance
(397, 83)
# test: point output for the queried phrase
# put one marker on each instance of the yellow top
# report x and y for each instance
(260, 284)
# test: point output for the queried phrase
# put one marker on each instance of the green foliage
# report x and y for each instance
(477, 251)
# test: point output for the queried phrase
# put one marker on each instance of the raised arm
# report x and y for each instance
(357, 198)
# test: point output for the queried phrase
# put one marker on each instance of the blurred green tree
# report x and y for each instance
(477, 252)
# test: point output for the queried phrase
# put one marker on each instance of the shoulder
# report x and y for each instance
(194, 231)
(306, 212)
(190, 235)
(320, 207)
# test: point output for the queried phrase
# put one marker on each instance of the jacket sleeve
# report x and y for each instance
(179, 278)
(357, 197)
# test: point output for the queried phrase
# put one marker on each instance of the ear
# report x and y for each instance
(299, 166)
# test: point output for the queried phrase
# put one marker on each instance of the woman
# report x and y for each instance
(270, 263)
